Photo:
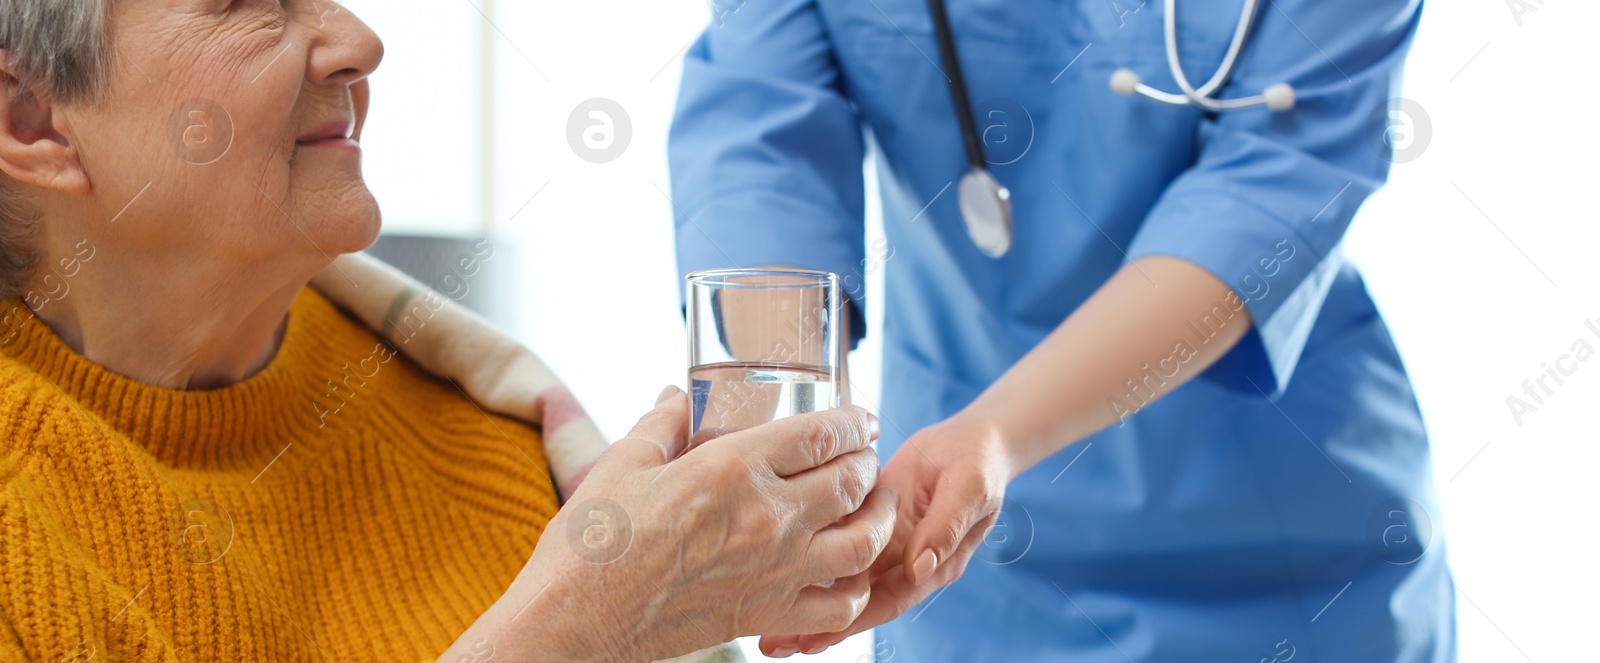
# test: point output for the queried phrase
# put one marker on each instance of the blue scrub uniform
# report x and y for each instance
(1282, 506)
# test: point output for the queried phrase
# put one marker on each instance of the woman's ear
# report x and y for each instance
(32, 148)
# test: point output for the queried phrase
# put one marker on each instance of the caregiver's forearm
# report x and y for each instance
(1158, 322)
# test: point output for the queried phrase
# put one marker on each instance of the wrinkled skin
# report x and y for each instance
(767, 530)
(193, 181)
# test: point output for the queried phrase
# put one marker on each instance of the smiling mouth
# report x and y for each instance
(332, 134)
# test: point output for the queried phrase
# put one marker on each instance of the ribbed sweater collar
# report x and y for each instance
(234, 426)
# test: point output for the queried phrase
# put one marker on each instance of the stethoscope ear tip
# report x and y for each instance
(1279, 97)
(1124, 82)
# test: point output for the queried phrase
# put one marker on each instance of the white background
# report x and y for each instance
(1480, 252)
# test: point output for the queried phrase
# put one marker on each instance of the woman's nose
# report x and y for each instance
(345, 51)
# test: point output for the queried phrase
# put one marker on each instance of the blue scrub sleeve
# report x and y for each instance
(1268, 200)
(766, 150)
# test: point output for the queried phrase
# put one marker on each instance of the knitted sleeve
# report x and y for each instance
(495, 371)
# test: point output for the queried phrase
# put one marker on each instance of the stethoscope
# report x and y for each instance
(986, 204)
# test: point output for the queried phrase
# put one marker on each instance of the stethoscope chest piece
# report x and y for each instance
(986, 207)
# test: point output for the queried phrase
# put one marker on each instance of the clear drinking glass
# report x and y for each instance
(763, 345)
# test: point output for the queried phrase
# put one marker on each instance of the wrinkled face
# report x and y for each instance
(227, 132)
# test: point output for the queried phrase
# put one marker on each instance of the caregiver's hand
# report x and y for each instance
(951, 478)
(662, 552)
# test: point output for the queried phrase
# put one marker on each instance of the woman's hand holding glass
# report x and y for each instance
(664, 549)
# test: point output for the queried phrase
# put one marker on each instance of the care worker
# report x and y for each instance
(1136, 401)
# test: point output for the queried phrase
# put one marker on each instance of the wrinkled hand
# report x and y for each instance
(664, 550)
(950, 478)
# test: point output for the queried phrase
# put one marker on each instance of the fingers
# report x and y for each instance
(836, 489)
(795, 444)
(780, 646)
(850, 550)
(893, 594)
(825, 609)
(660, 436)
(852, 546)
(958, 506)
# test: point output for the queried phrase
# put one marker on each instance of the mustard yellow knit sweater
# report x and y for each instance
(340, 505)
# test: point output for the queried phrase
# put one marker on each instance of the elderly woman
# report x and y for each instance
(201, 457)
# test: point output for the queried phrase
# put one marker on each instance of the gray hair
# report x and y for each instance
(58, 50)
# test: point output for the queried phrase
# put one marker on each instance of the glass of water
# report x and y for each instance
(763, 345)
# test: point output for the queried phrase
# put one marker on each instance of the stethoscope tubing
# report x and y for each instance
(1202, 97)
(959, 99)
